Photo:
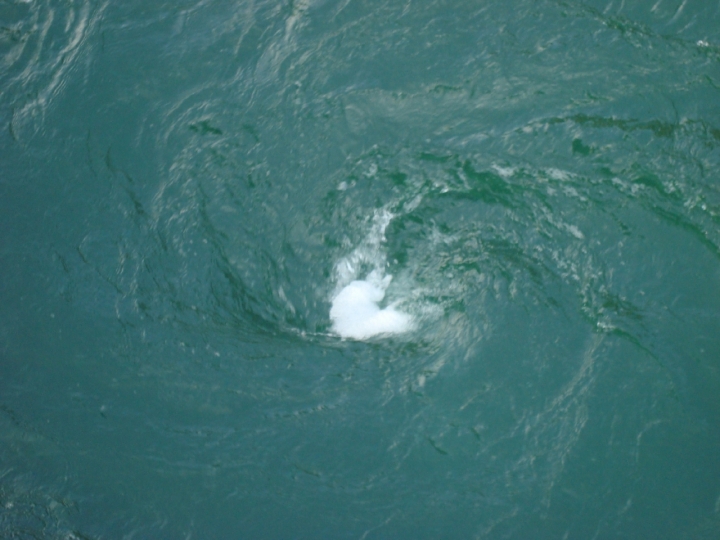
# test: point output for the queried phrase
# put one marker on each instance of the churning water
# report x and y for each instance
(359, 269)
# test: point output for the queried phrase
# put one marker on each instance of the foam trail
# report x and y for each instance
(355, 311)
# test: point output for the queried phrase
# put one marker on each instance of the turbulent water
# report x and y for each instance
(359, 269)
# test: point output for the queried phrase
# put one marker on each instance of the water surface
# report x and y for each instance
(186, 187)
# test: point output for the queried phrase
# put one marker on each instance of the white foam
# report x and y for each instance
(355, 312)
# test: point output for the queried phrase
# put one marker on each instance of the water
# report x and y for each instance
(531, 188)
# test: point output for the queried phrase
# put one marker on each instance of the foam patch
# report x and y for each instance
(355, 313)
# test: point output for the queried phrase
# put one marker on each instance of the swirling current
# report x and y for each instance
(359, 269)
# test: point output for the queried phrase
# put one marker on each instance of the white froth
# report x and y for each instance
(361, 283)
(355, 312)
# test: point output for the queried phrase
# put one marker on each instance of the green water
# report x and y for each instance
(181, 181)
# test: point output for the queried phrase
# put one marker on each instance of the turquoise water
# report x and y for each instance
(185, 188)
